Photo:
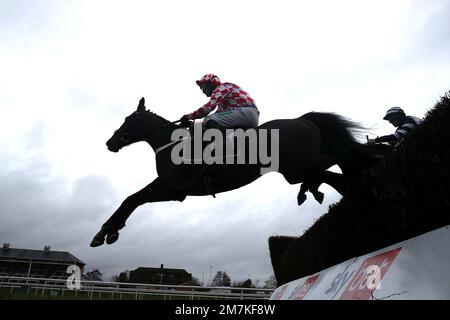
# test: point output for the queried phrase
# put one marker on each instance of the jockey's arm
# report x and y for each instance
(216, 98)
(391, 138)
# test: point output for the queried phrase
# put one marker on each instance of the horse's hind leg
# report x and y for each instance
(314, 189)
(314, 178)
(336, 180)
(311, 186)
(301, 197)
(154, 192)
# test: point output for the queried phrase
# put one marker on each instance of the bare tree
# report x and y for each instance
(221, 279)
(271, 282)
(94, 275)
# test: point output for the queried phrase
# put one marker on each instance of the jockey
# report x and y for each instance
(404, 124)
(235, 108)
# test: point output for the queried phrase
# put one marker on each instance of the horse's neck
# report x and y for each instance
(158, 131)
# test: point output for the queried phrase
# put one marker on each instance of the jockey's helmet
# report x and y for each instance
(208, 78)
(395, 112)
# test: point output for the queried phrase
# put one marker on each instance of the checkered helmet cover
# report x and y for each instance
(212, 78)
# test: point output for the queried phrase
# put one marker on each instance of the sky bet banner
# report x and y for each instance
(418, 268)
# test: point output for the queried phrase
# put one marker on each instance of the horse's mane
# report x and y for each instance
(160, 120)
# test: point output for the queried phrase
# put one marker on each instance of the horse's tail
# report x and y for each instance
(339, 137)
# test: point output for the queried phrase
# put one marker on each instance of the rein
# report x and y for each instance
(167, 145)
(171, 122)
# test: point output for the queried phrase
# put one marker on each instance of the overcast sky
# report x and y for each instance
(71, 71)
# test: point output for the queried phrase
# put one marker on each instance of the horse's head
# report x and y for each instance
(131, 131)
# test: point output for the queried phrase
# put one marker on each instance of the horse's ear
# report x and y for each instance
(141, 105)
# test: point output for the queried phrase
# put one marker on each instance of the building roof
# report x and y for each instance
(167, 270)
(41, 255)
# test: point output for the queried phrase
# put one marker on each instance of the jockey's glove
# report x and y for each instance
(185, 121)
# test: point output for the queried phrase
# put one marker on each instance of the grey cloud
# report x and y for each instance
(236, 242)
(431, 42)
(38, 209)
(25, 17)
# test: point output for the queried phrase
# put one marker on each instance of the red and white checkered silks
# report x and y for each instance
(225, 96)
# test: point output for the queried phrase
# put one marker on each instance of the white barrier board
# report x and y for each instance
(418, 268)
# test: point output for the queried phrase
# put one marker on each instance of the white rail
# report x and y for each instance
(45, 287)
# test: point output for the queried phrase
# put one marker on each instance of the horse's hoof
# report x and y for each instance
(318, 196)
(97, 241)
(99, 238)
(301, 198)
(112, 237)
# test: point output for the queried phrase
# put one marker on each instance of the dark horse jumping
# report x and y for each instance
(308, 146)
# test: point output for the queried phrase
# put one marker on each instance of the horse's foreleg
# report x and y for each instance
(154, 192)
